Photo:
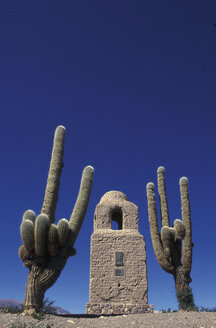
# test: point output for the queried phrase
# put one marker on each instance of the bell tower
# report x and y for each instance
(118, 273)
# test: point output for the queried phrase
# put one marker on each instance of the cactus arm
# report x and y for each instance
(179, 228)
(81, 205)
(53, 181)
(155, 235)
(167, 240)
(29, 215)
(62, 232)
(186, 219)
(23, 253)
(41, 234)
(27, 235)
(53, 242)
(163, 196)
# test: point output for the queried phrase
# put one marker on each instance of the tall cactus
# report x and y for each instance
(46, 246)
(173, 245)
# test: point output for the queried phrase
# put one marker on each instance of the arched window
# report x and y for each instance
(116, 219)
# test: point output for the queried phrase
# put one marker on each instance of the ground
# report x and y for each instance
(150, 320)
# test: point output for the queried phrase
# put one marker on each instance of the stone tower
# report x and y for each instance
(118, 274)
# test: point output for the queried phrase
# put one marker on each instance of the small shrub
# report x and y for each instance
(166, 311)
(207, 309)
(38, 315)
(10, 309)
(47, 306)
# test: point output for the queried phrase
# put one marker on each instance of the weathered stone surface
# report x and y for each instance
(118, 273)
(118, 308)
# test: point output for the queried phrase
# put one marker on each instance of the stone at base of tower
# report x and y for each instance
(118, 308)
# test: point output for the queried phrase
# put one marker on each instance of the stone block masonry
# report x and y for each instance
(118, 273)
(118, 308)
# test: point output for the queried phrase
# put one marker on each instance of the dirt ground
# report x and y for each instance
(150, 320)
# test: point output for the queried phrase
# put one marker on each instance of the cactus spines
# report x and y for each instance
(173, 245)
(63, 230)
(41, 233)
(25, 256)
(46, 247)
(53, 181)
(186, 219)
(179, 228)
(29, 215)
(53, 243)
(167, 240)
(27, 234)
(150, 186)
(23, 253)
(155, 235)
(183, 181)
(81, 205)
(163, 196)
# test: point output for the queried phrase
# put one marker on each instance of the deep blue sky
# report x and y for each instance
(134, 83)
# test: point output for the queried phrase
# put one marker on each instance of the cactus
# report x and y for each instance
(46, 246)
(63, 231)
(53, 243)
(173, 245)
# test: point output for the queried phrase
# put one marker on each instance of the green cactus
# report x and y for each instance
(173, 245)
(23, 253)
(41, 230)
(29, 215)
(63, 231)
(53, 242)
(27, 234)
(46, 246)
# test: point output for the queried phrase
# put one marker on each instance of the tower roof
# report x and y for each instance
(113, 195)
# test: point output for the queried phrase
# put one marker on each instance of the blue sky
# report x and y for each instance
(134, 84)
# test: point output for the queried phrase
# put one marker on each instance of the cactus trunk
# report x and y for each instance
(181, 279)
(183, 291)
(34, 294)
(39, 280)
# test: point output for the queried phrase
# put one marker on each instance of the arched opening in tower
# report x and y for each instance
(116, 219)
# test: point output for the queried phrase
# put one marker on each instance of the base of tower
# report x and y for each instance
(118, 308)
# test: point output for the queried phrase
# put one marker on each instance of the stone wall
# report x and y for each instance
(118, 308)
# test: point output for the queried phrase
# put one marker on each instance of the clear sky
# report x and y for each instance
(134, 83)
